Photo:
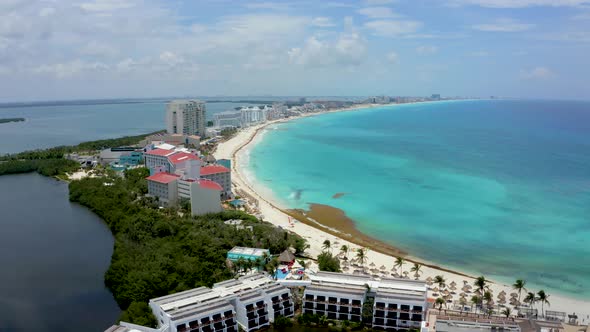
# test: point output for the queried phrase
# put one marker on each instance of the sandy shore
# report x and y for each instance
(340, 230)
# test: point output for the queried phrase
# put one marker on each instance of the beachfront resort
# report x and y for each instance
(193, 167)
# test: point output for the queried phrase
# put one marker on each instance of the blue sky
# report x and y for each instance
(69, 49)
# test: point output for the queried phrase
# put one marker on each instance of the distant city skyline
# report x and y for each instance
(96, 49)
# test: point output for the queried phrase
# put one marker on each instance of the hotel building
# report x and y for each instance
(186, 117)
(164, 186)
(228, 119)
(253, 115)
(219, 174)
(398, 304)
(250, 302)
(204, 195)
(336, 296)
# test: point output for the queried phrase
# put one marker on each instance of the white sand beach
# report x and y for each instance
(238, 147)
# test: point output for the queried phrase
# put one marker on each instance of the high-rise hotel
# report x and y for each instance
(186, 117)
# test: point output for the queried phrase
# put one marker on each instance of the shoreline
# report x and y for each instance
(316, 231)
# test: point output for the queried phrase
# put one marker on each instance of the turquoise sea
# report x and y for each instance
(499, 188)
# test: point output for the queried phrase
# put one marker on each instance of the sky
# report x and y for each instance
(83, 49)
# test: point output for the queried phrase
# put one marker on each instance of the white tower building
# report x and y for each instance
(186, 117)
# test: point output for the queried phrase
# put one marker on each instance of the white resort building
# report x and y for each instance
(228, 119)
(398, 304)
(219, 174)
(186, 117)
(250, 302)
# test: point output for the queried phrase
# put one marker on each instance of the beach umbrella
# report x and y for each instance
(406, 274)
(435, 289)
(503, 292)
(453, 287)
(465, 282)
(462, 294)
(372, 264)
(382, 267)
(346, 268)
(514, 294)
(393, 269)
(416, 275)
(502, 301)
(453, 284)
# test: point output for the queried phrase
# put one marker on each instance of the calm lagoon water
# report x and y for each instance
(53, 256)
(500, 188)
(53, 125)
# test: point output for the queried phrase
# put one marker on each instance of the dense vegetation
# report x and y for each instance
(5, 120)
(51, 162)
(157, 252)
(47, 167)
(328, 262)
(61, 151)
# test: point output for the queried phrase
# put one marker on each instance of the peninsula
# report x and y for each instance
(7, 120)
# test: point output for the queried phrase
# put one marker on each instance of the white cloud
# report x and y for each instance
(520, 3)
(582, 16)
(391, 28)
(349, 50)
(568, 36)
(377, 12)
(380, 2)
(268, 5)
(479, 54)
(106, 5)
(503, 25)
(47, 11)
(392, 57)
(99, 49)
(426, 49)
(322, 22)
(69, 69)
(536, 73)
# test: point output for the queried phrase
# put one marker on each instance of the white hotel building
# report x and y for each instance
(399, 304)
(250, 302)
(186, 117)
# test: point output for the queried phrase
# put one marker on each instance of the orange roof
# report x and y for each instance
(213, 169)
(208, 184)
(163, 177)
(160, 152)
(182, 157)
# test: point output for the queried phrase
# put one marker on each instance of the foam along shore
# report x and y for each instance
(315, 231)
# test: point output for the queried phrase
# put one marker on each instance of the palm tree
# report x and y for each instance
(416, 269)
(361, 256)
(480, 283)
(440, 280)
(543, 298)
(475, 300)
(519, 286)
(463, 303)
(327, 245)
(344, 250)
(399, 263)
(440, 301)
(507, 312)
(487, 296)
(530, 299)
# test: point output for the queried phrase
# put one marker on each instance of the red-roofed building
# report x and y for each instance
(208, 184)
(204, 195)
(157, 160)
(219, 174)
(164, 186)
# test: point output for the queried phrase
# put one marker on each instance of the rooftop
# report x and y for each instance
(163, 177)
(208, 184)
(213, 169)
(203, 299)
(160, 152)
(180, 157)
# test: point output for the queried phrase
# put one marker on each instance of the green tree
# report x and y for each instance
(327, 262)
(344, 250)
(544, 299)
(440, 281)
(361, 256)
(399, 263)
(416, 269)
(476, 300)
(530, 299)
(327, 245)
(480, 283)
(487, 297)
(440, 301)
(507, 312)
(139, 313)
(519, 286)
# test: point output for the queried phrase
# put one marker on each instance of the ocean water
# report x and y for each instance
(49, 125)
(499, 188)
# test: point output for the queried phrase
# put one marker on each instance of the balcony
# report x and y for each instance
(252, 323)
(332, 308)
(355, 311)
(416, 318)
(355, 318)
(251, 315)
(320, 306)
(379, 313)
(308, 305)
(261, 312)
(218, 326)
(231, 329)
(331, 315)
(182, 328)
(391, 322)
(344, 310)
(343, 316)
(379, 321)
(206, 328)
